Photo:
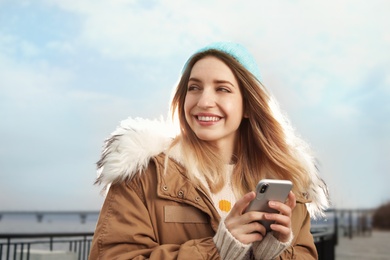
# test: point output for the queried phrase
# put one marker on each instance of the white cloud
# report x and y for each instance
(121, 29)
(302, 35)
(27, 83)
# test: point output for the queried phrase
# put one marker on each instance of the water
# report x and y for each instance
(50, 223)
(73, 222)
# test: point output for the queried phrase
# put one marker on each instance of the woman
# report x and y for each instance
(184, 196)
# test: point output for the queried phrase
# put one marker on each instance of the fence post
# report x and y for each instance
(85, 247)
(350, 230)
(8, 247)
(51, 243)
(336, 229)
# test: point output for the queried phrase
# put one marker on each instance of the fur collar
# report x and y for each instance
(128, 151)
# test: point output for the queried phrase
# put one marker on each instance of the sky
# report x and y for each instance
(70, 71)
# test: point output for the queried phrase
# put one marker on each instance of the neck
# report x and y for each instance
(226, 152)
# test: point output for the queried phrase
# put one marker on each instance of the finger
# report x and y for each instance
(282, 233)
(249, 233)
(287, 207)
(282, 230)
(254, 227)
(252, 216)
(281, 227)
(291, 200)
(282, 208)
(250, 238)
(237, 221)
(278, 219)
(241, 204)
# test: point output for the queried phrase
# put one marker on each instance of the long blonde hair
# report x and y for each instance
(266, 147)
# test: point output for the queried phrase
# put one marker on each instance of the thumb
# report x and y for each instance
(241, 204)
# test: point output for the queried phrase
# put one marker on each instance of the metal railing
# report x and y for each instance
(325, 235)
(22, 246)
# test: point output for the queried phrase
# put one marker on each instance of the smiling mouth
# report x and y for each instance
(208, 118)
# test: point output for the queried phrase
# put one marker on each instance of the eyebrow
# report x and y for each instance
(218, 81)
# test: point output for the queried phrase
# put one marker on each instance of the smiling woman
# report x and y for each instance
(184, 197)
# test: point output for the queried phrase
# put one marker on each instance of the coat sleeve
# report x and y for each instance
(125, 231)
(302, 246)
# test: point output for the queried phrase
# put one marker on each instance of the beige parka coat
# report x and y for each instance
(153, 213)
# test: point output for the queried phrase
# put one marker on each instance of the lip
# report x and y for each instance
(207, 119)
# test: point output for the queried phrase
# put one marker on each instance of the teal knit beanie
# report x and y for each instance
(237, 51)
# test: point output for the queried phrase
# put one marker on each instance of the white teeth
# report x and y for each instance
(208, 118)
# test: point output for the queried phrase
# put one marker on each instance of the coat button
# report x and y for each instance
(165, 188)
(180, 194)
(197, 199)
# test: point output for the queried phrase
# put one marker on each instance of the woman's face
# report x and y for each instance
(214, 105)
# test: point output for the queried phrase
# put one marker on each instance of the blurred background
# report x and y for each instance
(70, 71)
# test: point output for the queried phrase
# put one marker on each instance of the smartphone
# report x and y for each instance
(266, 190)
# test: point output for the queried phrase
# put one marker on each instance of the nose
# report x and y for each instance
(206, 99)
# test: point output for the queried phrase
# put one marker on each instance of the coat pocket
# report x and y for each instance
(184, 214)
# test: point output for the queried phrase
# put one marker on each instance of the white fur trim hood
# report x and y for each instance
(130, 147)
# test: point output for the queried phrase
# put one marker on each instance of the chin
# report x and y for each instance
(206, 138)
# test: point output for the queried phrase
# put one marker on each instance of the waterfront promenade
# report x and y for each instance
(375, 247)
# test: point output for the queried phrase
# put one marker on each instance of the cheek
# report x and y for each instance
(235, 108)
(189, 102)
(187, 107)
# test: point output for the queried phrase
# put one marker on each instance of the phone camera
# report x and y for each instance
(263, 188)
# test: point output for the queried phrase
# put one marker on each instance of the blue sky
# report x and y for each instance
(70, 71)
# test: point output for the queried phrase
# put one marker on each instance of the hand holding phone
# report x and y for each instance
(266, 190)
